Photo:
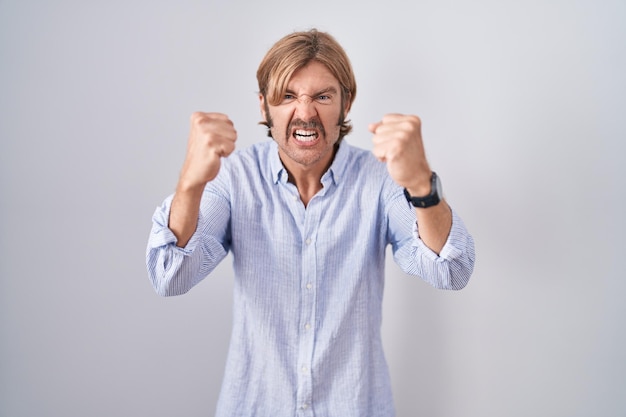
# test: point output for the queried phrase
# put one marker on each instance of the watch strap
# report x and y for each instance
(430, 200)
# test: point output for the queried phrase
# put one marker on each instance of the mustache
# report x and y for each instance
(311, 124)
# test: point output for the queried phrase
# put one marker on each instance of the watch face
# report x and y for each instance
(438, 185)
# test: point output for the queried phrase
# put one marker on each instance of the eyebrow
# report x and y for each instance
(332, 90)
(326, 90)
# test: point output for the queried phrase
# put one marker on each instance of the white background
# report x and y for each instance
(523, 105)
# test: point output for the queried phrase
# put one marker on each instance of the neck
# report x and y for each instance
(307, 186)
(307, 179)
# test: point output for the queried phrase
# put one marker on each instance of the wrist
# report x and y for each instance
(422, 186)
(425, 199)
(188, 187)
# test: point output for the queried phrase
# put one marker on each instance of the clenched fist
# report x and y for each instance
(211, 137)
(398, 142)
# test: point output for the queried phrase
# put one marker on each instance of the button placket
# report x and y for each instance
(308, 303)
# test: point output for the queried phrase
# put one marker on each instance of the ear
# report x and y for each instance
(348, 104)
(262, 106)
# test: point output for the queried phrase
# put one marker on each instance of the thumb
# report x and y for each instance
(373, 126)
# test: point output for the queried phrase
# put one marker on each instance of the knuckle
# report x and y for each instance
(415, 121)
(196, 116)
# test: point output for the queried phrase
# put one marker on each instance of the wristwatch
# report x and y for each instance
(431, 199)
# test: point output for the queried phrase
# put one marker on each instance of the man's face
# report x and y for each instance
(306, 123)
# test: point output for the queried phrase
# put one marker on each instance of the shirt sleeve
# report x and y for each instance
(450, 269)
(173, 270)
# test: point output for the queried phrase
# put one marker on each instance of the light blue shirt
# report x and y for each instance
(309, 281)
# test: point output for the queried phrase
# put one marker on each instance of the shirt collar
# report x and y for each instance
(335, 172)
(276, 166)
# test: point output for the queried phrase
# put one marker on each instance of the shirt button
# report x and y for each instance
(308, 241)
(305, 406)
(309, 286)
(307, 326)
(305, 369)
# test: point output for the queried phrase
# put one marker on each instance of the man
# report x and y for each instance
(307, 218)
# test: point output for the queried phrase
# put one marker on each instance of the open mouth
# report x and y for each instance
(305, 135)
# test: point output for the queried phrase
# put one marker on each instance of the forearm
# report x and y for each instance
(434, 225)
(183, 219)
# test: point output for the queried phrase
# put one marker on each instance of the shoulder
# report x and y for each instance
(246, 167)
(359, 169)
(362, 163)
(251, 160)
(253, 153)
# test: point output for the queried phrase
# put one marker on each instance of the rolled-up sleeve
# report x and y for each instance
(173, 270)
(451, 268)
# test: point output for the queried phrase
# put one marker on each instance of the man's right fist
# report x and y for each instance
(211, 137)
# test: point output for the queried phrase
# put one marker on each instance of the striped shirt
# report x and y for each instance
(309, 281)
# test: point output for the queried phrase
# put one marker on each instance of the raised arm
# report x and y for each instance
(176, 261)
(398, 143)
(212, 136)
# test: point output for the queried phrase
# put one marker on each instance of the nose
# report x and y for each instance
(305, 108)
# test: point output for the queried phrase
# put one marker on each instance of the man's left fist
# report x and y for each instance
(398, 142)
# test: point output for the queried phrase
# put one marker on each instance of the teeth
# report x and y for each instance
(306, 135)
(300, 132)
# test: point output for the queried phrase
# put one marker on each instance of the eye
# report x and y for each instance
(288, 98)
(324, 98)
